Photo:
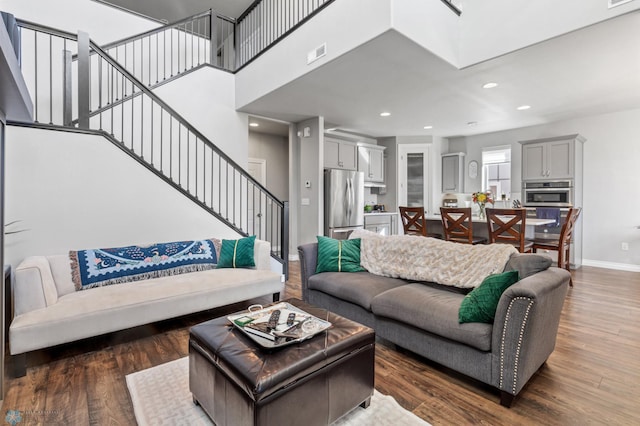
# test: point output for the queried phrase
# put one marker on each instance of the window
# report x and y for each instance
(496, 171)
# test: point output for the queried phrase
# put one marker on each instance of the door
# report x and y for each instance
(414, 181)
(344, 199)
(559, 159)
(348, 154)
(257, 168)
(376, 165)
(450, 173)
(533, 161)
(331, 154)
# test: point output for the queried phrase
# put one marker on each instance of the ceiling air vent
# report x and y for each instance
(317, 53)
(614, 3)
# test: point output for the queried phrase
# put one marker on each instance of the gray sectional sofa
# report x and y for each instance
(423, 317)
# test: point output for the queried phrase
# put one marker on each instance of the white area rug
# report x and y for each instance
(161, 396)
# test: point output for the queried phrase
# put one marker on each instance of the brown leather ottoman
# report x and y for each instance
(314, 382)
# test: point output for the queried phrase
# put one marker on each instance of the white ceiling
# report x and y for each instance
(592, 71)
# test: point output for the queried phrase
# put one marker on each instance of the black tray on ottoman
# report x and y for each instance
(316, 381)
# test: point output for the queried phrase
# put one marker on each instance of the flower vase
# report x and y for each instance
(481, 212)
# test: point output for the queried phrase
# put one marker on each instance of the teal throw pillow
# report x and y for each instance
(338, 255)
(237, 253)
(481, 303)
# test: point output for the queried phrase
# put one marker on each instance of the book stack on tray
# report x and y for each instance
(278, 325)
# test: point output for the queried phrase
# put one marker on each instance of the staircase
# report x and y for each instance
(114, 98)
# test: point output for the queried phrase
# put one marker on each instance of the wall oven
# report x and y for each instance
(555, 193)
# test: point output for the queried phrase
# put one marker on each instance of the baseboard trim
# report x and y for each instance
(611, 265)
(293, 257)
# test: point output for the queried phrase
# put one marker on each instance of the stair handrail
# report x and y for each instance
(203, 139)
(233, 183)
(182, 120)
(146, 90)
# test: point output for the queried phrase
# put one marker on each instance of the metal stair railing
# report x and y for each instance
(120, 106)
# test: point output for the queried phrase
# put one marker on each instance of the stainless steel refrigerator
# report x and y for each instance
(343, 202)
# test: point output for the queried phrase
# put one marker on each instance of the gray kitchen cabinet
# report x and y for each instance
(549, 159)
(453, 172)
(380, 223)
(340, 154)
(371, 162)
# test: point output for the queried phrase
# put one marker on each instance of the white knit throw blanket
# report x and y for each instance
(430, 259)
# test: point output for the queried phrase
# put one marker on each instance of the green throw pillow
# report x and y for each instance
(338, 255)
(237, 253)
(480, 305)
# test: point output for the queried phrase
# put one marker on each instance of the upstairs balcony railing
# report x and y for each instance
(452, 6)
(210, 38)
(97, 92)
(266, 22)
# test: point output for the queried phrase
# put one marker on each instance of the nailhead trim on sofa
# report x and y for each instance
(521, 334)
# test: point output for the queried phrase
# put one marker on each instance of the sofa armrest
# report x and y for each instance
(526, 326)
(34, 286)
(262, 254)
(308, 262)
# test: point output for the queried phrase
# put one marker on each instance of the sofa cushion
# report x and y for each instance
(338, 255)
(527, 264)
(237, 253)
(433, 310)
(83, 314)
(357, 287)
(480, 305)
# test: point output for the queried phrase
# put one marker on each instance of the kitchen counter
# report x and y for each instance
(380, 213)
(383, 223)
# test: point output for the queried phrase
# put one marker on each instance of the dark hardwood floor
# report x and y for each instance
(593, 377)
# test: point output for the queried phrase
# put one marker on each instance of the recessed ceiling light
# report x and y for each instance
(523, 107)
(428, 127)
(385, 114)
(254, 124)
(489, 85)
(472, 123)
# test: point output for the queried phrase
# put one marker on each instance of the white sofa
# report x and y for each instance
(48, 311)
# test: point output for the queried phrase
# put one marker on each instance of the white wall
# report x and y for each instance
(310, 217)
(343, 25)
(210, 108)
(275, 150)
(74, 191)
(103, 23)
(611, 177)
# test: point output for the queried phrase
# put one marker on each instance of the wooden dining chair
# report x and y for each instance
(508, 226)
(563, 244)
(414, 223)
(457, 225)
